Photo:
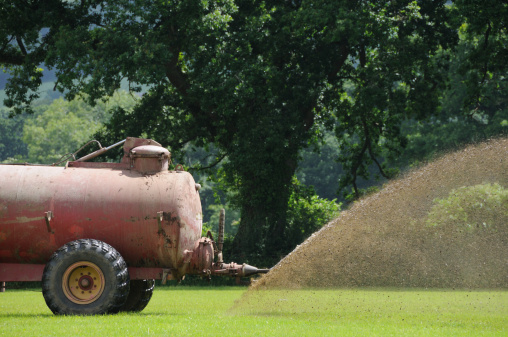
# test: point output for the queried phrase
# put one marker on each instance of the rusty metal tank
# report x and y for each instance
(97, 235)
(149, 214)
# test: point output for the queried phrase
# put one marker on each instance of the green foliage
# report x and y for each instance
(12, 147)
(455, 125)
(307, 212)
(318, 167)
(484, 31)
(205, 164)
(64, 126)
(207, 228)
(354, 195)
(58, 130)
(473, 107)
(426, 140)
(232, 218)
(396, 76)
(472, 209)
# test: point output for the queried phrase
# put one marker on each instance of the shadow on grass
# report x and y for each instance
(152, 313)
(199, 288)
(24, 315)
(50, 315)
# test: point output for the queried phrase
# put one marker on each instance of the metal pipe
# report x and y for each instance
(220, 239)
(236, 270)
(100, 151)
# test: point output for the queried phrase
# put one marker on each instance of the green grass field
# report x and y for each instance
(233, 311)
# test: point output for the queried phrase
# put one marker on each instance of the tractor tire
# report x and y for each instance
(85, 277)
(140, 294)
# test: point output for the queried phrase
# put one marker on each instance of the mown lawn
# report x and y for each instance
(233, 311)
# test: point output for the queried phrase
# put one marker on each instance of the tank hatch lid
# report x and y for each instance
(149, 151)
(131, 143)
(149, 159)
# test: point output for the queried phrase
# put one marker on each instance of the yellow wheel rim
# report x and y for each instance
(83, 282)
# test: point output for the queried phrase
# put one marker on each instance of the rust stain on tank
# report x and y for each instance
(172, 220)
(23, 219)
(167, 242)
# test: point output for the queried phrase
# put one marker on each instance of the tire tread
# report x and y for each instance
(88, 248)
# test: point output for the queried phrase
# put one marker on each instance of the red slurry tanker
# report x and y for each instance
(98, 234)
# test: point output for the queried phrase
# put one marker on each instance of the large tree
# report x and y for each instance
(257, 79)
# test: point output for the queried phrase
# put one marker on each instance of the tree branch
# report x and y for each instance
(356, 166)
(21, 46)
(6, 43)
(337, 66)
(369, 147)
(181, 83)
(484, 69)
(363, 55)
(211, 165)
(485, 46)
(377, 163)
(176, 76)
(309, 115)
(309, 118)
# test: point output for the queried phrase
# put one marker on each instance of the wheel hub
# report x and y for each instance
(83, 282)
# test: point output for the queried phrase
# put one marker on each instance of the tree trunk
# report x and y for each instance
(260, 237)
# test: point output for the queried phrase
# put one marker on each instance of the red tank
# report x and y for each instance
(89, 228)
(149, 214)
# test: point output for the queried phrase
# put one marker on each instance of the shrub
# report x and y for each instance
(471, 209)
(307, 212)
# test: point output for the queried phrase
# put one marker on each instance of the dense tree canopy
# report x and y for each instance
(11, 130)
(258, 80)
(64, 126)
(485, 33)
(57, 129)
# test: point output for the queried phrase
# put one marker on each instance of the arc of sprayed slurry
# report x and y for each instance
(382, 240)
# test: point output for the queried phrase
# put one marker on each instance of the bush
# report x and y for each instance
(472, 209)
(307, 212)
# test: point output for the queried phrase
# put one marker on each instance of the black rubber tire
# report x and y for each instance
(110, 263)
(140, 294)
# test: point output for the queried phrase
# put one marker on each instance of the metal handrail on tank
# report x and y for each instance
(73, 154)
(100, 151)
